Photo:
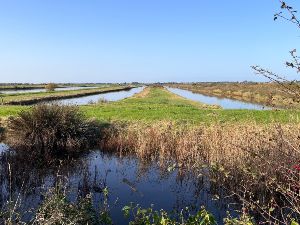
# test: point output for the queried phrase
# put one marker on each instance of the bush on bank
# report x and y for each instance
(51, 130)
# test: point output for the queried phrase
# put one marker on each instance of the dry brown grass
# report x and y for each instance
(143, 93)
(270, 94)
(258, 163)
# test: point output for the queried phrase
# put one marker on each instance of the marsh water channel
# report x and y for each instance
(225, 103)
(110, 96)
(127, 178)
(20, 91)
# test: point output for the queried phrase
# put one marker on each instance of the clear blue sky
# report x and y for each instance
(141, 40)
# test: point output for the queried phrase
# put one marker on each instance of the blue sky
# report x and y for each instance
(142, 40)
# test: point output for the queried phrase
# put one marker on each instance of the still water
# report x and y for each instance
(42, 90)
(225, 103)
(127, 178)
(110, 96)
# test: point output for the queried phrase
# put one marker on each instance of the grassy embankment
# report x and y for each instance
(270, 94)
(31, 98)
(156, 104)
(6, 87)
(20, 87)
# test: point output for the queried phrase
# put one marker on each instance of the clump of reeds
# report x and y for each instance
(258, 163)
(51, 130)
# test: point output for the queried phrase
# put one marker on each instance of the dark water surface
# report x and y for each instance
(225, 103)
(127, 178)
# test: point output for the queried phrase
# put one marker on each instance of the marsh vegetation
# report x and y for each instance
(269, 94)
(248, 169)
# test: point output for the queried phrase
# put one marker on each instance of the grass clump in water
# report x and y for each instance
(51, 130)
(56, 209)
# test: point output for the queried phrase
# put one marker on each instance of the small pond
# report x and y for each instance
(225, 103)
(110, 96)
(127, 178)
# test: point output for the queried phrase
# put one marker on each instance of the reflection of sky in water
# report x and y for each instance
(3, 148)
(110, 96)
(225, 103)
(42, 90)
(128, 180)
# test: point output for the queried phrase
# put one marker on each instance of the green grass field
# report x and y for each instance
(156, 104)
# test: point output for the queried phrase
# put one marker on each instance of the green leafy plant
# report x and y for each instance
(150, 216)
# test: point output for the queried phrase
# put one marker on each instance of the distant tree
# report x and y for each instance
(287, 13)
(50, 87)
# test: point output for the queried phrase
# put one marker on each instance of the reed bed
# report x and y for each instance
(259, 164)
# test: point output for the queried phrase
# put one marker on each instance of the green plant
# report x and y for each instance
(244, 219)
(56, 209)
(150, 216)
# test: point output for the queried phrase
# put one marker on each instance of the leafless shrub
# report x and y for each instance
(50, 129)
(50, 87)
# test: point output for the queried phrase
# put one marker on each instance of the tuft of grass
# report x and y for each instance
(50, 130)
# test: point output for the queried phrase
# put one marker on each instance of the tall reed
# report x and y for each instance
(257, 163)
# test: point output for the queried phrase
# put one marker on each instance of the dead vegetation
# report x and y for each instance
(51, 130)
(259, 164)
(270, 94)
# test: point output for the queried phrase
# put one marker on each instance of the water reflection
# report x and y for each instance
(110, 96)
(3, 148)
(225, 103)
(128, 180)
(42, 90)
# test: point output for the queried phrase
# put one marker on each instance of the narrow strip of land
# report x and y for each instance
(32, 98)
(158, 104)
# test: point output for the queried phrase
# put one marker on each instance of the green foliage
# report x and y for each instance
(105, 217)
(150, 216)
(56, 209)
(242, 220)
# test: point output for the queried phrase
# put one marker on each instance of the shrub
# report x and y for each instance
(51, 130)
(50, 87)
